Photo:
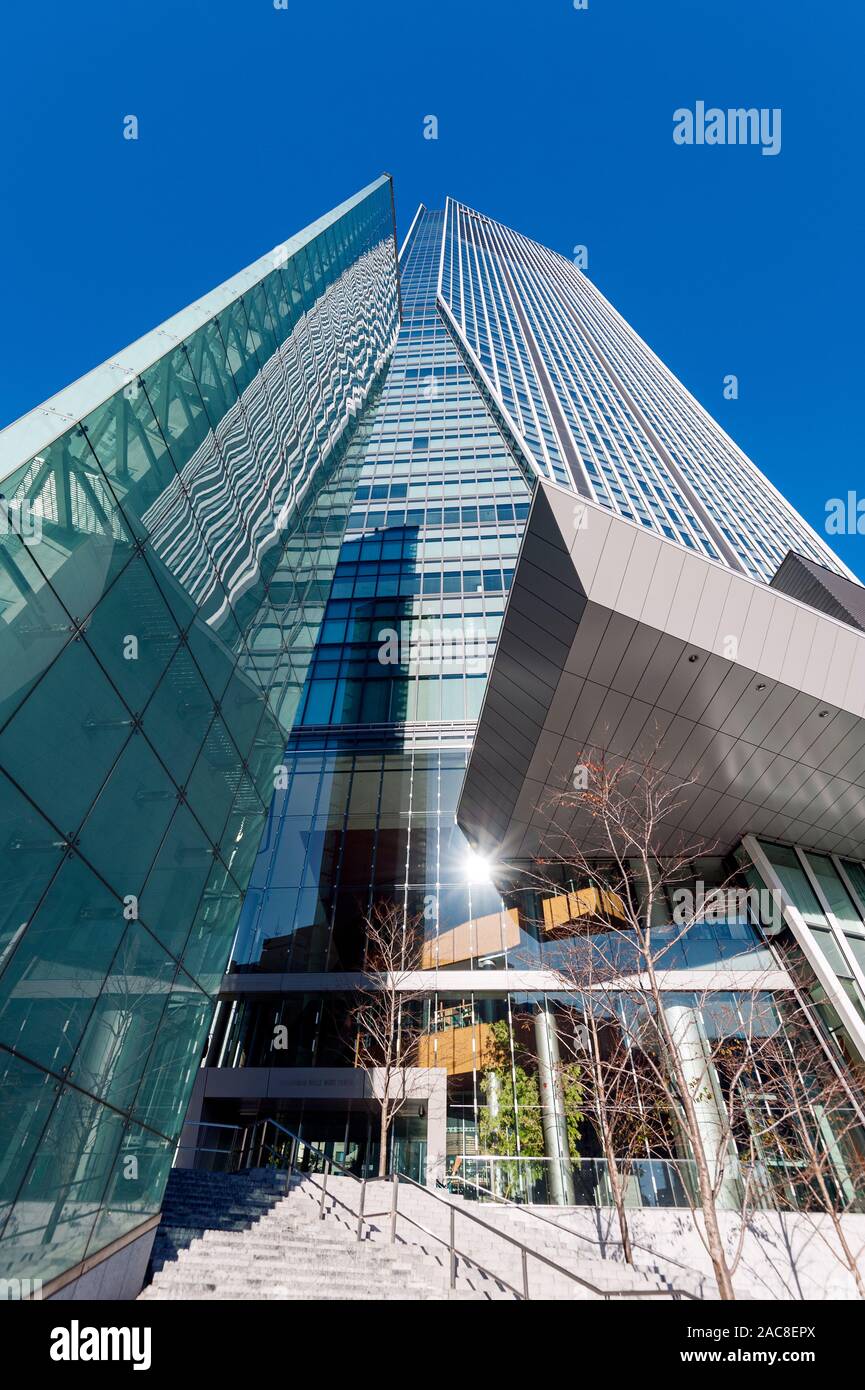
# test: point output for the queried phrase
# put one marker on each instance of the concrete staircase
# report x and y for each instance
(479, 1229)
(242, 1236)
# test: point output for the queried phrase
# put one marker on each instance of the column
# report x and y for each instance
(561, 1178)
(686, 1027)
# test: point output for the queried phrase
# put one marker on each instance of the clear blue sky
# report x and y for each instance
(253, 121)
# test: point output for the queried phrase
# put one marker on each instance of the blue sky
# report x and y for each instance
(253, 120)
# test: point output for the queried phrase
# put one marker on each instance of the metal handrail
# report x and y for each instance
(453, 1251)
(364, 1217)
(527, 1209)
(596, 1244)
(524, 1207)
(394, 1213)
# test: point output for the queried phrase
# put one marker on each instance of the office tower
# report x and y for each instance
(379, 748)
(596, 411)
(511, 368)
(412, 546)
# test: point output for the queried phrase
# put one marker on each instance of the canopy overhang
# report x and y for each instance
(618, 643)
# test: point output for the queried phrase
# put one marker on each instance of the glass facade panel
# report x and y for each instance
(856, 874)
(840, 903)
(794, 880)
(58, 1202)
(136, 1185)
(168, 549)
(841, 945)
(58, 966)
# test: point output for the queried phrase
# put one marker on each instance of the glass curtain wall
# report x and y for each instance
(363, 811)
(362, 816)
(597, 412)
(828, 893)
(167, 549)
(373, 768)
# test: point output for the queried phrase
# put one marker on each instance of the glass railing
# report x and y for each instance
(215, 1148)
(647, 1182)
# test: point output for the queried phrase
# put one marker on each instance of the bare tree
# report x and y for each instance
(593, 1038)
(809, 1127)
(691, 1072)
(385, 1020)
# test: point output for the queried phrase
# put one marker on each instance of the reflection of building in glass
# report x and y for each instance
(391, 576)
(563, 912)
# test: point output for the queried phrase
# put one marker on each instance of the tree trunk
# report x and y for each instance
(619, 1203)
(714, 1239)
(383, 1134)
(607, 1145)
(849, 1258)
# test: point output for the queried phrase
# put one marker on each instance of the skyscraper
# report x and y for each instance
(393, 545)
(509, 367)
(596, 411)
(379, 748)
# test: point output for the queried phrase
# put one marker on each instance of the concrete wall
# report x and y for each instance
(784, 1256)
(117, 1278)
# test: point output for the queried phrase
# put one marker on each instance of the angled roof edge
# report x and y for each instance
(802, 664)
(42, 425)
(421, 207)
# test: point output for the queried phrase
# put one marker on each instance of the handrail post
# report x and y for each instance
(323, 1189)
(291, 1164)
(525, 1273)
(360, 1210)
(393, 1207)
(453, 1251)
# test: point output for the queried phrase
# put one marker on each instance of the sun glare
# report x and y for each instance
(477, 867)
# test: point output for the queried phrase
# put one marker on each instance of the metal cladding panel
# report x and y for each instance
(762, 744)
(820, 588)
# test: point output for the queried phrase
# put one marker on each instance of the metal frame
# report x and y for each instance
(853, 1024)
(834, 925)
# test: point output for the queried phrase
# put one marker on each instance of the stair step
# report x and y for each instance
(252, 1236)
